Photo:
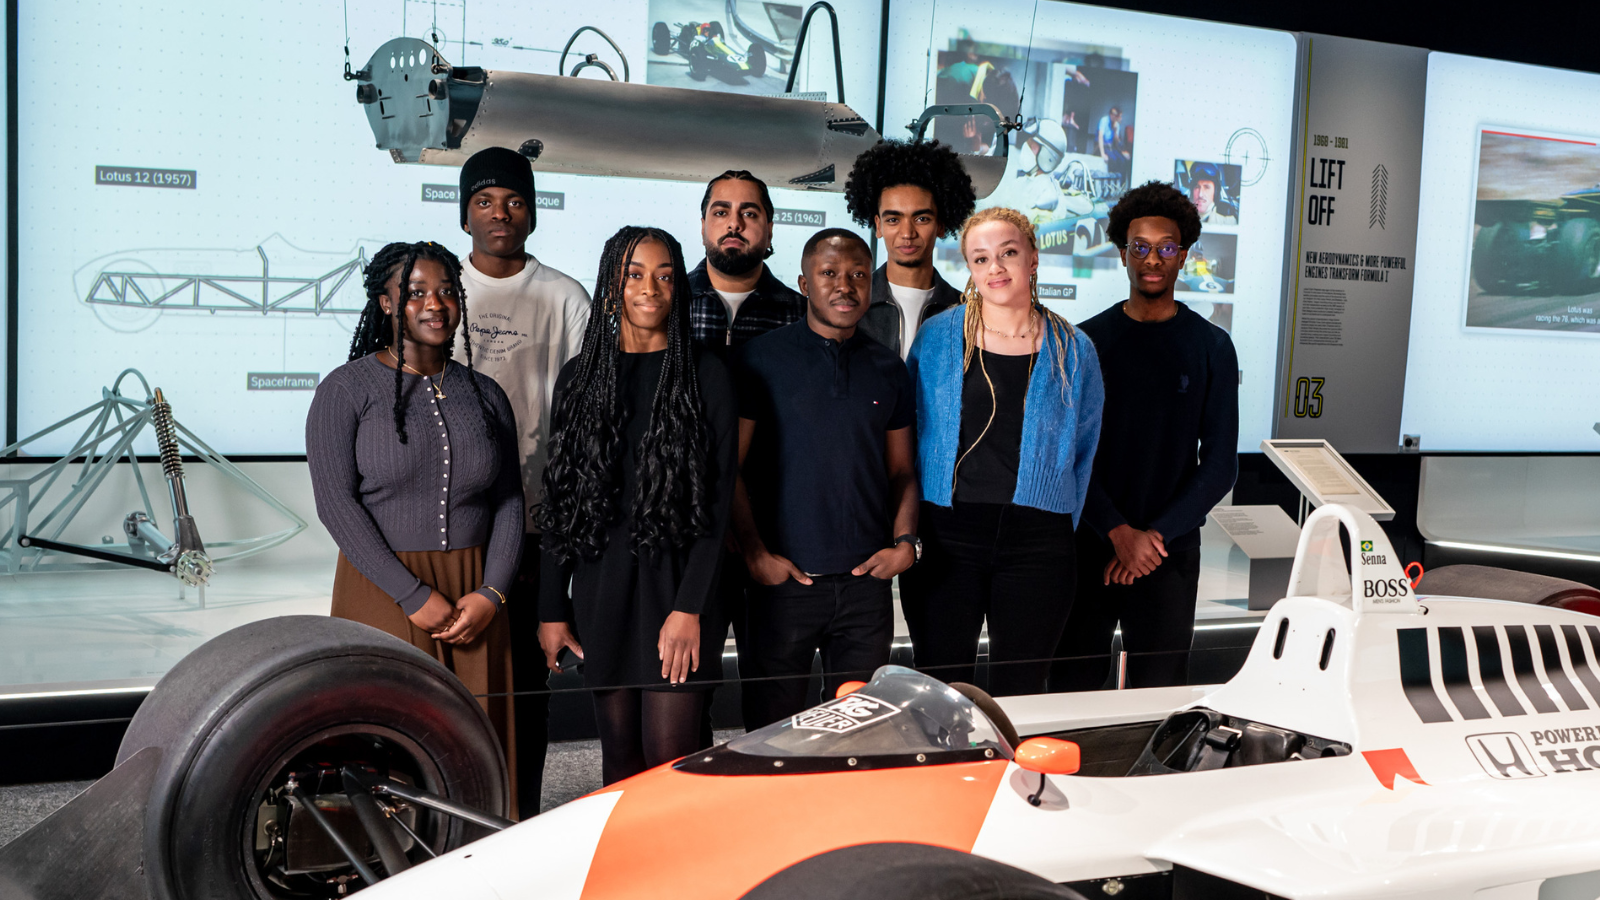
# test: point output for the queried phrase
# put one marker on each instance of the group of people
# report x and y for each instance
(690, 450)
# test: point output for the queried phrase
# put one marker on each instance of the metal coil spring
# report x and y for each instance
(166, 438)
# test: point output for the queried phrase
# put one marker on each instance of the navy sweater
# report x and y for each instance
(1170, 430)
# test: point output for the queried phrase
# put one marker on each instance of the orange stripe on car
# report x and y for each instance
(675, 835)
(1387, 764)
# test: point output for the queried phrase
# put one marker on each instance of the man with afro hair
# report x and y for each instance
(1168, 453)
(910, 195)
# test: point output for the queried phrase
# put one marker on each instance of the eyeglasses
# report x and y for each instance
(1167, 249)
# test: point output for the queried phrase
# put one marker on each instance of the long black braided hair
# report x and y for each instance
(672, 505)
(375, 330)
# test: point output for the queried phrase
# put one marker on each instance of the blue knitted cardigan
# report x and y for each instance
(1059, 428)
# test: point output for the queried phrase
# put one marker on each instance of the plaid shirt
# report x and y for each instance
(771, 305)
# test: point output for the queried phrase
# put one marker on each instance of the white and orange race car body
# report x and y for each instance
(1461, 759)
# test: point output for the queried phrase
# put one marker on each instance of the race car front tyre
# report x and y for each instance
(300, 694)
(1490, 263)
(905, 872)
(758, 61)
(1578, 249)
(661, 39)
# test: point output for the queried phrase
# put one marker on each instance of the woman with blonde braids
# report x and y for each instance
(1008, 415)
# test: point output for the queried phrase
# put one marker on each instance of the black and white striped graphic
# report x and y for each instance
(1518, 669)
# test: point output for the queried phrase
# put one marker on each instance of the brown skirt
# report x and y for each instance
(484, 666)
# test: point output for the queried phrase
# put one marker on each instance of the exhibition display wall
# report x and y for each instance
(1505, 314)
(1450, 289)
(253, 188)
(1112, 99)
(253, 194)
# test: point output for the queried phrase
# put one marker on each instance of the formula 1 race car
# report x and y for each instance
(1539, 246)
(1374, 744)
(706, 48)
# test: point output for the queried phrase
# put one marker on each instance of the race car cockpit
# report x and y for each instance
(902, 718)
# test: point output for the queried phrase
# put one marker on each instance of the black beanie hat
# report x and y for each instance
(498, 167)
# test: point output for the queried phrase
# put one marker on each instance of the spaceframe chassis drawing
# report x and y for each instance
(265, 293)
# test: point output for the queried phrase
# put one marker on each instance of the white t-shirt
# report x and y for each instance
(731, 300)
(911, 302)
(523, 329)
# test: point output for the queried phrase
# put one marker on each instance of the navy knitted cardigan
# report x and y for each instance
(1060, 427)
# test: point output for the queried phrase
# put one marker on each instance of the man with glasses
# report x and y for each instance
(1167, 454)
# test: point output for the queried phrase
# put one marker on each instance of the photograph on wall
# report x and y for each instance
(1071, 159)
(1536, 234)
(1209, 266)
(1217, 312)
(724, 45)
(1212, 187)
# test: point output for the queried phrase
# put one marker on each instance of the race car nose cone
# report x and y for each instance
(546, 857)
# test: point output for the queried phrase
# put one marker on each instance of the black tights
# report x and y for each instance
(642, 729)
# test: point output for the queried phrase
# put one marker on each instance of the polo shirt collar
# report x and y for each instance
(808, 337)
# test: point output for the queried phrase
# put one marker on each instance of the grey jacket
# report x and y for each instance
(883, 321)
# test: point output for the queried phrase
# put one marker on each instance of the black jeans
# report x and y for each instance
(528, 673)
(849, 618)
(1156, 612)
(1013, 565)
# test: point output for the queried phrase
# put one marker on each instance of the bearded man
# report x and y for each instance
(736, 298)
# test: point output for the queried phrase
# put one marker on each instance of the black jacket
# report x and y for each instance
(883, 321)
(771, 305)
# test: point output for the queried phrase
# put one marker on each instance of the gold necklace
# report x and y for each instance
(1033, 318)
(438, 389)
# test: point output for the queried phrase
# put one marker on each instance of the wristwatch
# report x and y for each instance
(916, 545)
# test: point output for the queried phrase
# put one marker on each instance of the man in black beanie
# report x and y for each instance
(526, 319)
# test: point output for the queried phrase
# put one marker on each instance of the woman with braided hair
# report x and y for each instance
(414, 467)
(643, 450)
(1008, 416)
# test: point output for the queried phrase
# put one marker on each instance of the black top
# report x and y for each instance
(986, 469)
(824, 410)
(1171, 387)
(620, 601)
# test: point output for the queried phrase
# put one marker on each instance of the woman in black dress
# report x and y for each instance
(643, 450)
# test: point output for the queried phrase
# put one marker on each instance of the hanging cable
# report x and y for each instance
(348, 75)
(1026, 64)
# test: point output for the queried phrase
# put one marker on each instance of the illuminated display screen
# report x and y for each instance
(1505, 312)
(198, 196)
(1111, 99)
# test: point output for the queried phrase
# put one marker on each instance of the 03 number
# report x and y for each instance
(1308, 398)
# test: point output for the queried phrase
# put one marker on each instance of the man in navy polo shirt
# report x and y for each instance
(825, 531)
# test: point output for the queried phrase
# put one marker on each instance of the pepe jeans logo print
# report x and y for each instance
(1543, 682)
